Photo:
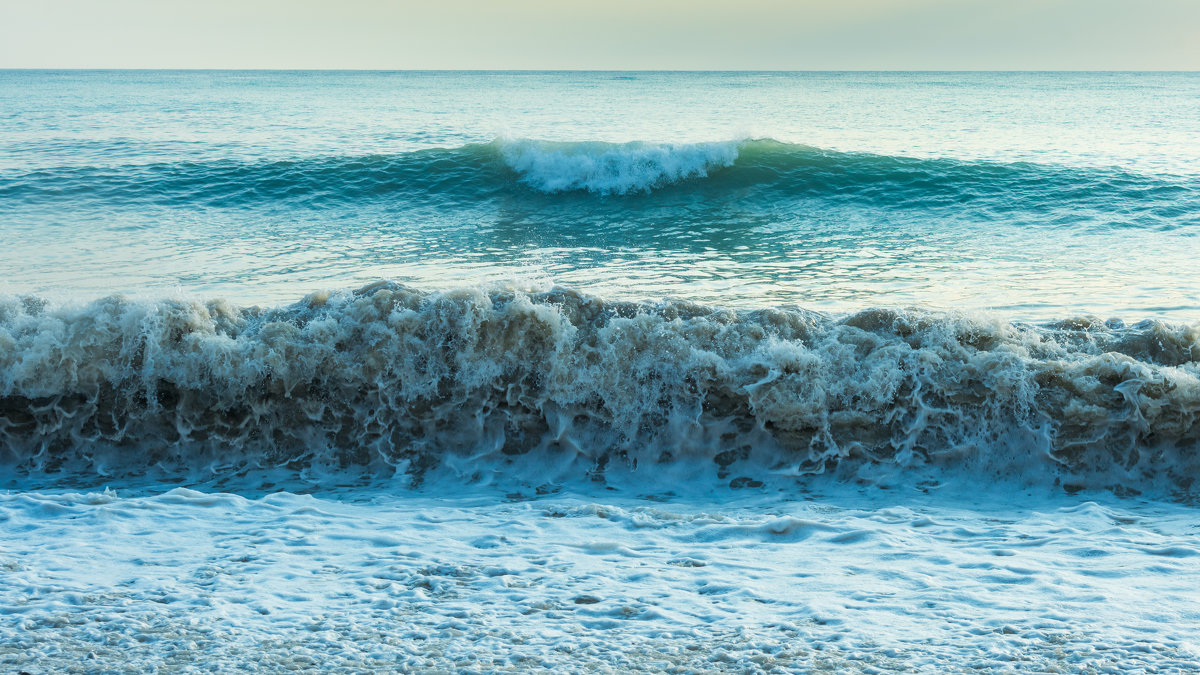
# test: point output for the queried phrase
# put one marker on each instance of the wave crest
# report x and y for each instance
(532, 172)
(479, 381)
(612, 168)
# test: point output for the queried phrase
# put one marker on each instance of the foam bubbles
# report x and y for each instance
(610, 168)
(544, 386)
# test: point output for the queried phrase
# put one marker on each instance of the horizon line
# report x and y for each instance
(601, 70)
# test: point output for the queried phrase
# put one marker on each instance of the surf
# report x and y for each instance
(534, 171)
(482, 381)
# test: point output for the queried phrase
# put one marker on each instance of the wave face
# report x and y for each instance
(510, 169)
(478, 382)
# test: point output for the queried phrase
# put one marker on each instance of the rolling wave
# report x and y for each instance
(607, 168)
(479, 381)
(517, 169)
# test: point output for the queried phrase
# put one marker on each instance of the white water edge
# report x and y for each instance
(846, 579)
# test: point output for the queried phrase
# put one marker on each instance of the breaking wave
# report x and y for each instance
(480, 382)
(754, 171)
(608, 168)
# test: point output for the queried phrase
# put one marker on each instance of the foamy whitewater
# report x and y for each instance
(599, 372)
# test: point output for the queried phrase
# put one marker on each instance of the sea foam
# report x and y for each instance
(487, 381)
(609, 168)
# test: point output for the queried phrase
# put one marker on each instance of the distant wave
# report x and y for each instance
(608, 168)
(404, 380)
(539, 170)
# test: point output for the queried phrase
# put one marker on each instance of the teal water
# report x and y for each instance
(1035, 196)
(814, 272)
(612, 372)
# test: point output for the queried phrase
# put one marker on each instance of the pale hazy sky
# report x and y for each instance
(603, 34)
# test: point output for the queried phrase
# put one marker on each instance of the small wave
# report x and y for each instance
(477, 380)
(750, 174)
(608, 168)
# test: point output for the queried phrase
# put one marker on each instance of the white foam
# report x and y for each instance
(595, 581)
(610, 168)
(492, 384)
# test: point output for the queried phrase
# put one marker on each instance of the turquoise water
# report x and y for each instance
(599, 372)
(811, 271)
(1033, 196)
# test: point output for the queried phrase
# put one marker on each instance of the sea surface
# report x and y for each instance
(599, 371)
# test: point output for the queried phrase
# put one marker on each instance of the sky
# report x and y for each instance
(604, 34)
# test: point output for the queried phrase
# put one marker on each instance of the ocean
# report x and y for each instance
(599, 371)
